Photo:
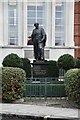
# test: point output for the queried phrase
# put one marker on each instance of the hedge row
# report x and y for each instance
(64, 62)
(53, 70)
(12, 83)
(72, 85)
(13, 60)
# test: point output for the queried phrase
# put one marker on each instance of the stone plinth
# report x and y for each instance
(40, 68)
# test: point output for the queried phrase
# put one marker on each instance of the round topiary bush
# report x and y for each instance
(12, 83)
(26, 66)
(72, 85)
(77, 63)
(66, 62)
(12, 60)
(53, 70)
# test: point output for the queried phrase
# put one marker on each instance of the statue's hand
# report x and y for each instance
(30, 36)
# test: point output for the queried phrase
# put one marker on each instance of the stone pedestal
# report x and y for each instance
(40, 68)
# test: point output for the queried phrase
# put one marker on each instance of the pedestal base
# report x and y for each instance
(40, 68)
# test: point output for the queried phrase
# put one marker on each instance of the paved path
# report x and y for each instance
(36, 110)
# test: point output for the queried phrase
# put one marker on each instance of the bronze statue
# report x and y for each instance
(39, 41)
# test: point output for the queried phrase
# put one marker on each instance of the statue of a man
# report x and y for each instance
(39, 40)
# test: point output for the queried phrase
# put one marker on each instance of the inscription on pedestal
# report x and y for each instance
(40, 69)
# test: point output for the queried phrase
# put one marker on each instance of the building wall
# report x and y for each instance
(1, 23)
(52, 52)
(77, 29)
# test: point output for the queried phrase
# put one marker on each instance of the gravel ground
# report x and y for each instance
(60, 103)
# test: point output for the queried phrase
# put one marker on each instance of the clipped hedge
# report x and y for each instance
(26, 66)
(12, 60)
(77, 63)
(53, 70)
(66, 62)
(72, 85)
(12, 83)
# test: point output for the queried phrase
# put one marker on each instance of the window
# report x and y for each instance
(59, 24)
(35, 13)
(12, 22)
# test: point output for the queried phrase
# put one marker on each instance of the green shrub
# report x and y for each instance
(12, 83)
(72, 84)
(26, 66)
(53, 70)
(77, 63)
(66, 62)
(12, 60)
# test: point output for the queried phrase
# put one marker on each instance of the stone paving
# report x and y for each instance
(38, 110)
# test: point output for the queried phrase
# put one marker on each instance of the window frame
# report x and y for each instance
(36, 18)
(13, 7)
(62, 24)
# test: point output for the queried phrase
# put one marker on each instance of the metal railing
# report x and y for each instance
(45, 87)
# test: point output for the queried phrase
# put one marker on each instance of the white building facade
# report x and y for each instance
(17, 18)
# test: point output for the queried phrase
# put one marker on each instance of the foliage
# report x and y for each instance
(66, 62)
(72, 84)
(77, 63)
(0, 83)
(53, 70)
(26, 66)
(12, 83)
(12, 60)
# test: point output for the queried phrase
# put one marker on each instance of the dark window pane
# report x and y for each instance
(31, 14)
(11, 21)
(11, 7)
(13, 28)
(31, 7)
(11, 13)
(31, 21)
(40, 14)
(40, 21)
(59, 22)
(40, 8)
(59, 14)
(59, 28)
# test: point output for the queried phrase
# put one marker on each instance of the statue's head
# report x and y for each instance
(36, 25)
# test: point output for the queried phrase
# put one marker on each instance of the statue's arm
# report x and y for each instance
(43, 35)
(32, 35)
